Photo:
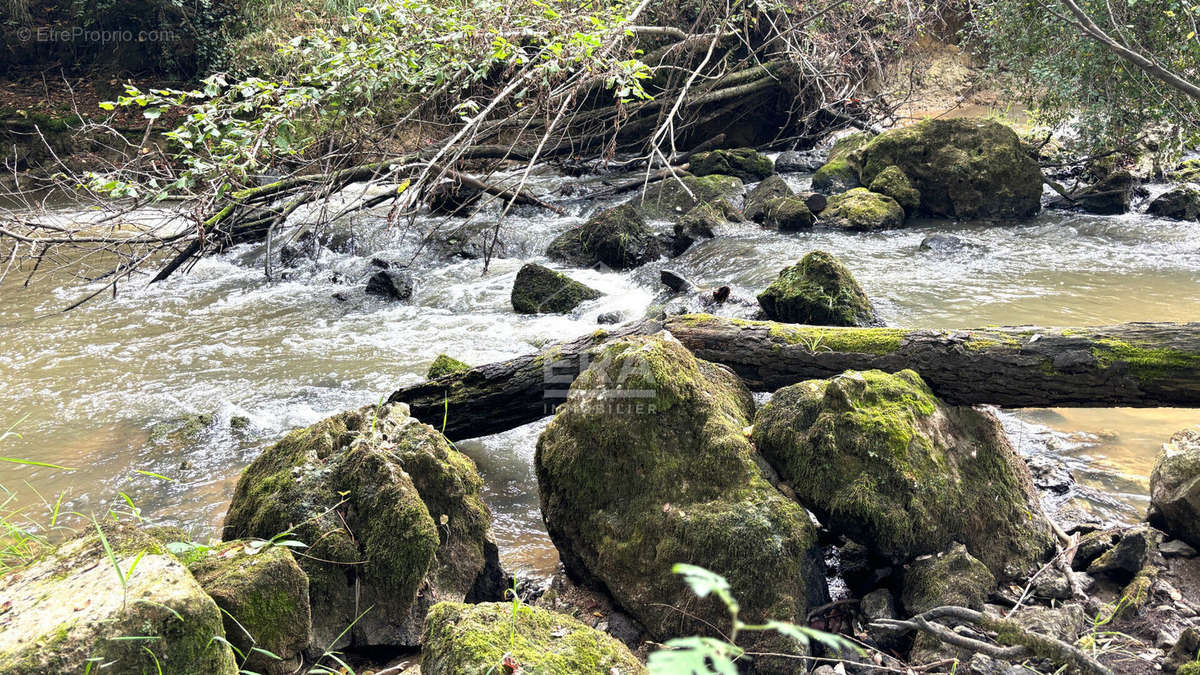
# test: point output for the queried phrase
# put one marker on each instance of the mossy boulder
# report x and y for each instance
(465, 639)
(704, 219)
(820, 291)
(893, 183)
(771, 188)
(962, 168)
(541, 290)
(954, 578)
(862, 210)
(1188, 171)
(744, 163)
(646, 465)
(264, 597)
(840, 171)
(672, 198)
(1175, 486)
(787, 214)
(1181, 203)
(70, 607)
(881, 460)
(392, 514)
(445, 365)
(1110, 195)
(618, 238)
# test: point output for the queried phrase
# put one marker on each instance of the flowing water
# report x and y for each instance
(85, 388)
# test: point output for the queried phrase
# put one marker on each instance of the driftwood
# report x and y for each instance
(1133, 364)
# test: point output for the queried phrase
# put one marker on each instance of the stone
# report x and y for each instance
(1188, 171)
(610, 318)
(1111, 195)
(1064, 622)
(263, 595)
(893, 183)
(647, 464)
(393, 517)
(862, 210)
(1175, 486)
(881, 460)
(1133, 552)
(744, 163)
(675, 281)
(771, 188)
(1181, 203)
(792, 161)
(445, 365)
(541, 290)
(452, 198)
(618, 238)
(390, 285)
(1185, 650)
(840, 171)
(478, 639)
(70, 606)
(820, 291)
(672, 198)
(952, 578)
(962, 168)
(942, 243)
(787, 214)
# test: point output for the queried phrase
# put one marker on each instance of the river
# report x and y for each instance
(85, 388)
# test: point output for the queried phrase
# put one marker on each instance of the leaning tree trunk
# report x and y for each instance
(1133, 364)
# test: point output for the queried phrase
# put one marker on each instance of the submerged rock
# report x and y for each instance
(390, 285)
(787, 214)
(862, 210)
(770, 188)
(951, 578)
(263, 595)
(70, 606)
(820, 291)
(1181, 203)
(671, 198)
(445, 365)
(646, 465)
(943, 243)
(1109, 196)
(392, 514)
(840, 171)
(618, 238)
(1175, 486)
(541, 290)
(881, 460)
(962, 168)
(744, 163)
(479, 639)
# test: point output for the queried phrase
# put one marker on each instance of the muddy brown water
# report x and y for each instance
(85, 388)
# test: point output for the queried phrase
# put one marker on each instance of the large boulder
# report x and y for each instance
(862, 210)
(1181, 203)
(840, 171)
(618, 238)
(744, 163)
(819, 291)
(962, 168)
(881, 460)
(263, 595)
(1175, 487)
(1109, 196)
(541, 290)
(70, 609)
(787, 214)
(392, 514)
(465, 639)
(770, 188)
(646, 465)
(672, 198)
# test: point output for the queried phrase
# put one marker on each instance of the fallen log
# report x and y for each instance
(1133, 364)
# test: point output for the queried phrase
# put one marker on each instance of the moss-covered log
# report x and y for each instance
(1134, 364)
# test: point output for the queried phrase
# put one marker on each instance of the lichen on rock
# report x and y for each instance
(818, 290)
(392, 514)
(882, 461)
(646, 465)
(862, 210)
(465, 639)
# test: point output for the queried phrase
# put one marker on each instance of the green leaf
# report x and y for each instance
(694, 656)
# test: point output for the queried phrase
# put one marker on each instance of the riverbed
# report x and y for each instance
(84, 389)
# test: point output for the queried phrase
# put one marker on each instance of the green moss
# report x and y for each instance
(770, 188)
(617, 237)
(893, 183)
(540, 290)
(1144, 364)
(787, 214)
(818, 290)
(475, 639)
(446, 365)
(881, 460)
(672, 198)
(954, 578)
(1192, 668)
(745, 163)
(184, 430)
(862, 210)
(840, 171)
